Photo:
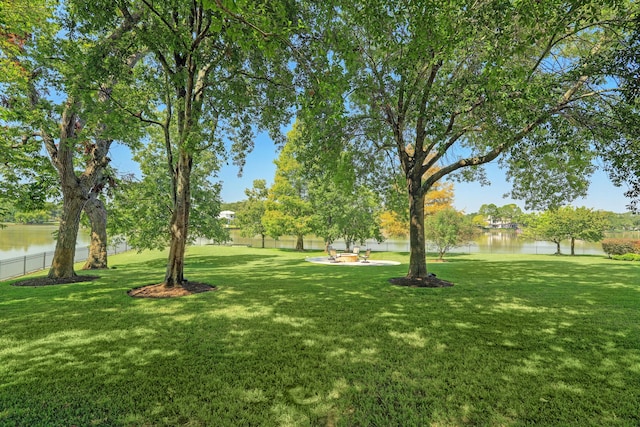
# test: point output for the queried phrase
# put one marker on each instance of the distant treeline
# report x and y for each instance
(49, 213)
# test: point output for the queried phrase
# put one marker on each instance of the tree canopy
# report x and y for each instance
(209, 73)
(565, 223)
(423, 90)
(447, 229)
(288, 208)
(150, 196)
(58, 102)
(249, 218)
(465, 84)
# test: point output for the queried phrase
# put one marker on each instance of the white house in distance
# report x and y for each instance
(228, 215)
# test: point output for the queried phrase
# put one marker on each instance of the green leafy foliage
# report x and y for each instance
(447, 229)
(344, 203)
(505, 216)
(62, 105)
(32, 217)
(27, 177)
(249, 218)
(351, 214)
(618, 128)
(567, 223)
(447, 83)
(140, 209)
(333, 203)
(218, 82)
(288, 208)
(621, 246)
(627, 257)
(624, 221)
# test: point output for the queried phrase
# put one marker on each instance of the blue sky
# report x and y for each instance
(468, 196)
(602, 193)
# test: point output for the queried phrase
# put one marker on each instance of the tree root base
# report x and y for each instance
(426, 282)
(161, 290)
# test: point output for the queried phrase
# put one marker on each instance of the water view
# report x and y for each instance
(491, 241)
(19, 240)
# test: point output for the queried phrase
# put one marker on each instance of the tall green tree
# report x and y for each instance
(288, 208)
(249, 218)
(585, 224)
(547, 226)
(140, 208)
(347, 212)
(464, 83)
(568, 223)
(213, 71)
(447, 229)
(58, 97)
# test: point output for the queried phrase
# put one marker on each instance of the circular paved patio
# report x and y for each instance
(371, 263)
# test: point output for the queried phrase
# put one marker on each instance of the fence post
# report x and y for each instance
(24, 266)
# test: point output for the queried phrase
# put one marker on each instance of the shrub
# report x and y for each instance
(627, 257)
(621, 246)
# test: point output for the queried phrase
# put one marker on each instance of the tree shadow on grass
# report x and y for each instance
(45, 281)
(514, 342)
(193, 284)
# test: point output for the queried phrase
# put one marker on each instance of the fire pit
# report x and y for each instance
(347, 257)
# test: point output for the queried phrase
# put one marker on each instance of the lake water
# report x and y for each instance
(492, 241)
(20, 240)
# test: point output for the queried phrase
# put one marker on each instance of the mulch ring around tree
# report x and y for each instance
(45, 281)
(427, 282)
(160, 290)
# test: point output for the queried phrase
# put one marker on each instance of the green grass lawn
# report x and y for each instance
(519, 339)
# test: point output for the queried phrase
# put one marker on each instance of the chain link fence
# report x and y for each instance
(19, 266)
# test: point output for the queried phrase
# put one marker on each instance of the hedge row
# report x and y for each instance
(627, 257)
(621, 246)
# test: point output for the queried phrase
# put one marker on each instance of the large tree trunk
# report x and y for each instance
(74, 193)
(417, 257)
(558, 248)
(97, 214)
(262, 240)
(300, 243)
(573, 246)
(179, 223)
(62, 264)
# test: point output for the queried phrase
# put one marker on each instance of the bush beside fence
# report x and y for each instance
(19, 266)
(621, 246)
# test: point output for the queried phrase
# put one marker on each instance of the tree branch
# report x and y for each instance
(167, 24)
(424, 100)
